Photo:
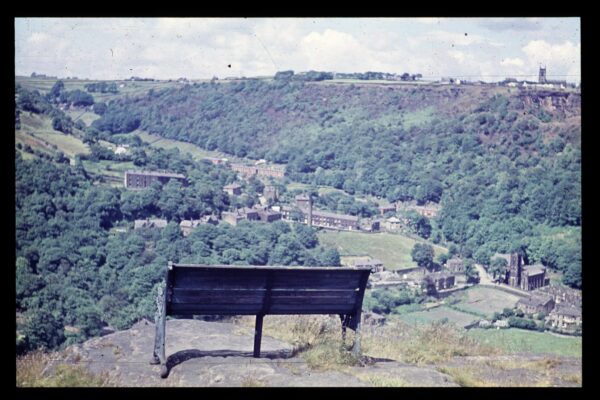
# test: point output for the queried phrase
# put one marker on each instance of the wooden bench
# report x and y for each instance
(259, 290)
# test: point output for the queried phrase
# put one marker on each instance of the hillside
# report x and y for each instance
(503, 163)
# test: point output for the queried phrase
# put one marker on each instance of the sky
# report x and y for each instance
(488, 49)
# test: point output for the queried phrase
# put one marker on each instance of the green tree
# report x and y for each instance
(57, 89)
(498, 268)
(43, 330)
(306, 235)
(422, 254)
(471, 272)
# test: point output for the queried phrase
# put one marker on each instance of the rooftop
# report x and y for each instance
(534, 300)
(156, 173)
(535, 269)
(568, 311)
(336, 216)
(146, 223)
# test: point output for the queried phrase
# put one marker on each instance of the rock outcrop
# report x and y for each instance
(202, 354)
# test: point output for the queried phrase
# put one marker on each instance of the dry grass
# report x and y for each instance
(34, 370)
(252, 381)
(385, 381)
(466, 377)
(575, 378)
(317, 339)
(423, 344)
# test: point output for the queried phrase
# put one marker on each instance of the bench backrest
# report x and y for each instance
(262, 290)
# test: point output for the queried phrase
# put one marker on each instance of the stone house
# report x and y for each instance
(385, 209)
(565, 318)
(393, 224)
(536, 304)
(375, 264)
(370, 225)
(187, 225)
(456, 265)
(144, 179)
(441, 280)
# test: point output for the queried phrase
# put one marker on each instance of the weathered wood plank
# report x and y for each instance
(215, 308)
(216, 298)
(325, 308)
(267, 267)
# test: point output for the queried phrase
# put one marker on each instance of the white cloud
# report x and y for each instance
(109, 48)
(446, 38)
(517, 62)
(429, 21)
(560, 59)
(457, 55)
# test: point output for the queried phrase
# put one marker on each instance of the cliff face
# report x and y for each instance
(203, 354)
(563, 103)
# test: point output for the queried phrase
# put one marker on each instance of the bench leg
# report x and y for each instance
(343, 319)
(258, 335)
(158, 355)
(356, 347)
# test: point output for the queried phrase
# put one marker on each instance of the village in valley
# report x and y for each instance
(430, 215)
(553, 307)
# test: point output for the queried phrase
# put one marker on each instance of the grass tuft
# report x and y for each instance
(33, 370)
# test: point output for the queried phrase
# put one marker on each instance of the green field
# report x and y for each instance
(484, 300)
(458, 318)
(196, 152)
(115, 169)
(321, 189)
(44, 136)
(66, 143)
(86, 116)
(518, 340)
(393, 249)
(130, 88)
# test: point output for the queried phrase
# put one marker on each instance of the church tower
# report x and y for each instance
(542, 75)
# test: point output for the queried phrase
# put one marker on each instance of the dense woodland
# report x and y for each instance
(73, 270)
(505, 168)
(506, 172)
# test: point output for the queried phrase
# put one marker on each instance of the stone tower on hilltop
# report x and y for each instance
(542, 75)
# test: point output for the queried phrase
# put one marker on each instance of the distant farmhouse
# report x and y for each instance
(393, 224)
(441, 280)
(456, 265)
(565, 318)
(536, 304)
(143, 179)
(187, 226)
(525, 277)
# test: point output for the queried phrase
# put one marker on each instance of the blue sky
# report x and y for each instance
(477, 48)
